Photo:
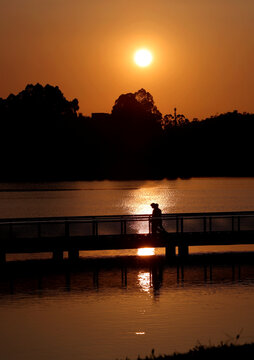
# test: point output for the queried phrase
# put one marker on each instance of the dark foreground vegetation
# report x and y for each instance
(220, 352)
(43, 137)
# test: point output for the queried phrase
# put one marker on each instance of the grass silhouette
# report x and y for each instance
(224, 350)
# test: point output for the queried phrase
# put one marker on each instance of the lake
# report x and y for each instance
(117, 304)
(125, 197)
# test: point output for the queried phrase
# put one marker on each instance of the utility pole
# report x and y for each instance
(175, 116)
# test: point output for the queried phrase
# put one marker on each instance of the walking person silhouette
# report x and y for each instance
(156, 219)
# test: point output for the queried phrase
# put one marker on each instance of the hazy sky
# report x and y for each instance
(203, 51)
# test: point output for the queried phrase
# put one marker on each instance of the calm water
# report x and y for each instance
(115, 306)
(120, 197)
(103, 312)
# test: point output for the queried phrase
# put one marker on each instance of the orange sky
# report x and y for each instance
(203, 51)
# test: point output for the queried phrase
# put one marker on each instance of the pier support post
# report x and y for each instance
(2, 257)
(58, 255)
(183, 250)
(73, 254)
(170, 250)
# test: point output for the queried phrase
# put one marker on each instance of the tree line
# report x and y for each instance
(44, 137)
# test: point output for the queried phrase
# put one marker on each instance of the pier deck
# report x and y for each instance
(72, 234)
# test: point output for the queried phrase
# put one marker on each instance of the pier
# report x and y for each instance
(73, 234)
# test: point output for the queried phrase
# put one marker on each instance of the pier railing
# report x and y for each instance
(94, 226)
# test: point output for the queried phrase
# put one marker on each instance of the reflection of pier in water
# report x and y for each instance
(150, 275)
(73, 234)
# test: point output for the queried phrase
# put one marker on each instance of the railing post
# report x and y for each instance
(210, 224)
(239, 224)
(232, 223)
(181, 224)
(177, 225)
(204, 224)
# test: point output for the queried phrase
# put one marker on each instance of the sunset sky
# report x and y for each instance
(203, 51)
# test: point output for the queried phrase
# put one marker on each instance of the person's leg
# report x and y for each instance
(154, 227)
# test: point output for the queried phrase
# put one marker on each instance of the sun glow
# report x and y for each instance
(143, 57)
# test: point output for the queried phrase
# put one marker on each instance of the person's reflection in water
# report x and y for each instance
(157, 279)
(156, 219)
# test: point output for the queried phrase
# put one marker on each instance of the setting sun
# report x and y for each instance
(143, 57)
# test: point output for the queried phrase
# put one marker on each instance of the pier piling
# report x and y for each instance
(57, 255)
(170, 250)
(73, 254)
(183, 250)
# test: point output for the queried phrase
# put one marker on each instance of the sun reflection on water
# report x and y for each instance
(144, 280)
(140, 199)
(146, 251)
(145, 193)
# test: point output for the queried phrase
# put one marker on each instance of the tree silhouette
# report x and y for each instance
(38, 126)
(136, 124)
(174, 120)
(43, 137)
(37, 102)
(136, 112)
